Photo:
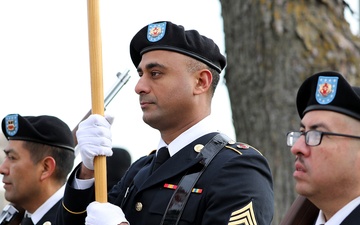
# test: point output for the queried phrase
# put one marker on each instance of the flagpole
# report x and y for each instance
(97, 92)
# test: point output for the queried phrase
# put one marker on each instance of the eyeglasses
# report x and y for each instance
(312, 137)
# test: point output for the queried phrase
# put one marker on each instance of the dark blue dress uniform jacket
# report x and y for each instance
(50, 216)
(353, 218)
(236, 189)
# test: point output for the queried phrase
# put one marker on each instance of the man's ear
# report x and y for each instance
(204, 80)
(48, 167)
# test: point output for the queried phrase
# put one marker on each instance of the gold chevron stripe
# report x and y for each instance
(244, 216)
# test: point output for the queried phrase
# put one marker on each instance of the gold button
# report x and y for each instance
(138, 206)
(198, 147)
(47, 223)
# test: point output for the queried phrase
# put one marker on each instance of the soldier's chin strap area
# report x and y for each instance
(181, 195)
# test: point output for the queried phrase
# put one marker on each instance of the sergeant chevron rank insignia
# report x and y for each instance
(244, 216)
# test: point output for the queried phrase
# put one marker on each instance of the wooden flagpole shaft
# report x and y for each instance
(97, 92)
(301, 212)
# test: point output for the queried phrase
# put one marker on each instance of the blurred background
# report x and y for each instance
(44, 66)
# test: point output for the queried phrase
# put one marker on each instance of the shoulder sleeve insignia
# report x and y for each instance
(244, 216)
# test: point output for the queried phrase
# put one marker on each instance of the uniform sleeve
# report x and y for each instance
(73, 206)
(241, 192)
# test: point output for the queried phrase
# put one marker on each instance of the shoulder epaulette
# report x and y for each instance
(238, 146)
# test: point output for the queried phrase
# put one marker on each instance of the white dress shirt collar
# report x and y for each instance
(203, 127)
(340, 215)
(46, 206)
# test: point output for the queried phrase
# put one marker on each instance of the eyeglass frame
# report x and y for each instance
(319, 133)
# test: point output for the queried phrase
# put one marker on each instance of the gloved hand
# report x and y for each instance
(104, 214)
(94, 138)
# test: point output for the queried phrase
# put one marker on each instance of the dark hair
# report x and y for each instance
(195, 65)
(216, 78)
(63, 157)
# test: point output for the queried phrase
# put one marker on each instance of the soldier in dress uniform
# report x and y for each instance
(205, 178)
(39, 157)
(327, 147)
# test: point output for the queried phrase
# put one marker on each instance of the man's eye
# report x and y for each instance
(10, 157)
(155, 73)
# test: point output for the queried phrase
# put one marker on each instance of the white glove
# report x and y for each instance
(104, 214)
(94, 138)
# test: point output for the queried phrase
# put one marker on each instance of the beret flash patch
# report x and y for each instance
(326, 89)
(12, 124)
(156, 31)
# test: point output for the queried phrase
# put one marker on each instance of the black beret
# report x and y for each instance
(47, 130)
(328, 90)
(165, 35)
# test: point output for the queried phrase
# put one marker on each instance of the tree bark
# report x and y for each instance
(272, 47)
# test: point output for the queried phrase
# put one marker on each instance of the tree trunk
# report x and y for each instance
(271, 47)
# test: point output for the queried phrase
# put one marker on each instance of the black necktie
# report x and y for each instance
(26, 221)
(162, 156)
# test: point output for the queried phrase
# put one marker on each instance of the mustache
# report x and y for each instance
(299, 158)
(146, 99)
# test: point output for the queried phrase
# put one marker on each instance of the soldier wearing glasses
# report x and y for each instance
(327, 147)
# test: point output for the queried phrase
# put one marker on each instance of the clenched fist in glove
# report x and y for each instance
(94, 138)
(104, 214)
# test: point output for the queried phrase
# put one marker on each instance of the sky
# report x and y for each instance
(44, 60)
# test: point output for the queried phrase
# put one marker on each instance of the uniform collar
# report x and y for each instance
(203, 127)
(46, 206)
(340, 215)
